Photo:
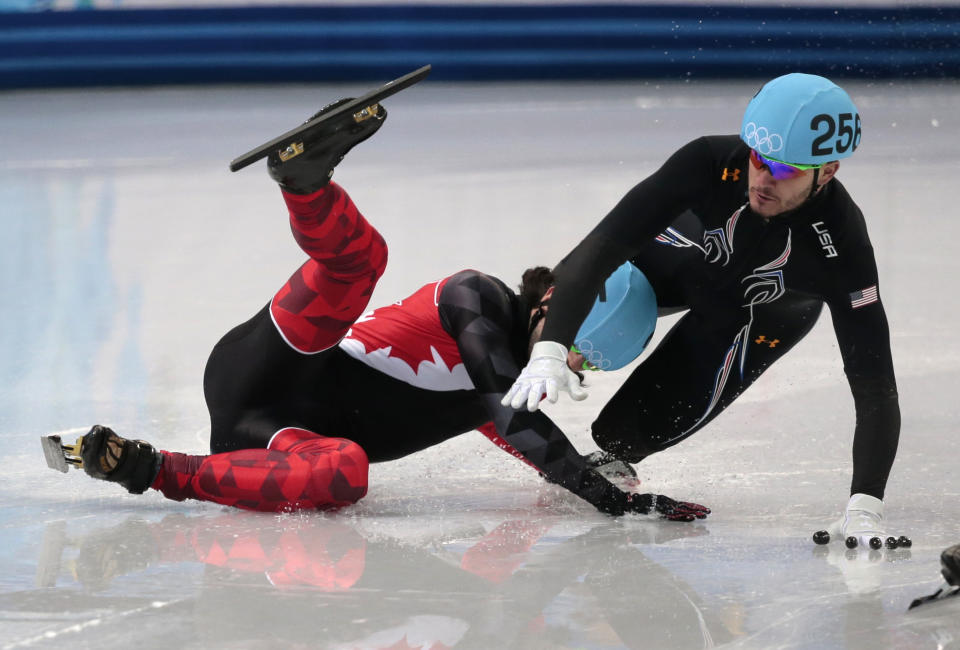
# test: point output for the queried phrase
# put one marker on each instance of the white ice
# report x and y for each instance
(128, 249)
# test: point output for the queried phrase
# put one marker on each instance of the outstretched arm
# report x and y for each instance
(863, 335)
(641, 214)
(864, 339)
(476, 310)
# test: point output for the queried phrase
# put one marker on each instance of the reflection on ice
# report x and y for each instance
(238, 578)
(301, 579)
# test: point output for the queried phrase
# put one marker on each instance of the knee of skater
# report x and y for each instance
(353, 455)
(350, 481)
(383, 252)
(365, 265)
(376, 253)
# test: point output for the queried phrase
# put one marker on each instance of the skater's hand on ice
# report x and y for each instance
(546, 373)
(666, 507)
(608, 498)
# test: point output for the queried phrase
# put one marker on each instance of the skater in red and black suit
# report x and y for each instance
(310, 390)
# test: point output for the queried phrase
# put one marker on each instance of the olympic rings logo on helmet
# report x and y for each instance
(759, 138)
(593, 357)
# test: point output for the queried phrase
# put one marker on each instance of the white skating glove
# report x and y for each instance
(862, 526)
(862, 520)
(546, 372)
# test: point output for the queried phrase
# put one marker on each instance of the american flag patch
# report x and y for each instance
(864, 297)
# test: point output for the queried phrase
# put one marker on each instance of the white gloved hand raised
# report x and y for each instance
(546, 372)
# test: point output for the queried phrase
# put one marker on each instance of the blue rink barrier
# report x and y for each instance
(287, 44)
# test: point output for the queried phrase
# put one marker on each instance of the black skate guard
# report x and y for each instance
(950, 570)
(360, 108)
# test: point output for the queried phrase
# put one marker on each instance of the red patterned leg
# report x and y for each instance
(320, 302)
(330, 556)
(300, 470)
(503, 550)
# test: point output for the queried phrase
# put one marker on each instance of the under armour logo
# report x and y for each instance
(763, 339)
(730, 175)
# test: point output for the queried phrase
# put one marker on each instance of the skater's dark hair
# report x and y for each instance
(534, 284)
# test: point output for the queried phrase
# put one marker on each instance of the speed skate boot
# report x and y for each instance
(305, 167)
(134, 464)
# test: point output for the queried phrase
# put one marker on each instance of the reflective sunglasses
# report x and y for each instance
(779, 170)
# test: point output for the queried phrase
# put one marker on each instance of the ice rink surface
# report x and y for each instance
(128, 249)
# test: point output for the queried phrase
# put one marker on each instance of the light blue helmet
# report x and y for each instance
(621, 322)
(801, 119)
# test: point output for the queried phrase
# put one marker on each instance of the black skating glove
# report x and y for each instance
(610, 499)
(666, 507)
(134, 464)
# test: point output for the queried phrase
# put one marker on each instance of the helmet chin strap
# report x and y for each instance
(814, 187)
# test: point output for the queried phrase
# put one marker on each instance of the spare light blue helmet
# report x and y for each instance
(801, 119)
(621, 322)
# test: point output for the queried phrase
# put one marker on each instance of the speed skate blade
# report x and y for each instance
(356, 108)
(59, 456)
(945, 591)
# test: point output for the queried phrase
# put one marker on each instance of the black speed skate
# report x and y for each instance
(329, 134)
(950, 570)
(306, 166)
(134, 464)
(103, 454)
